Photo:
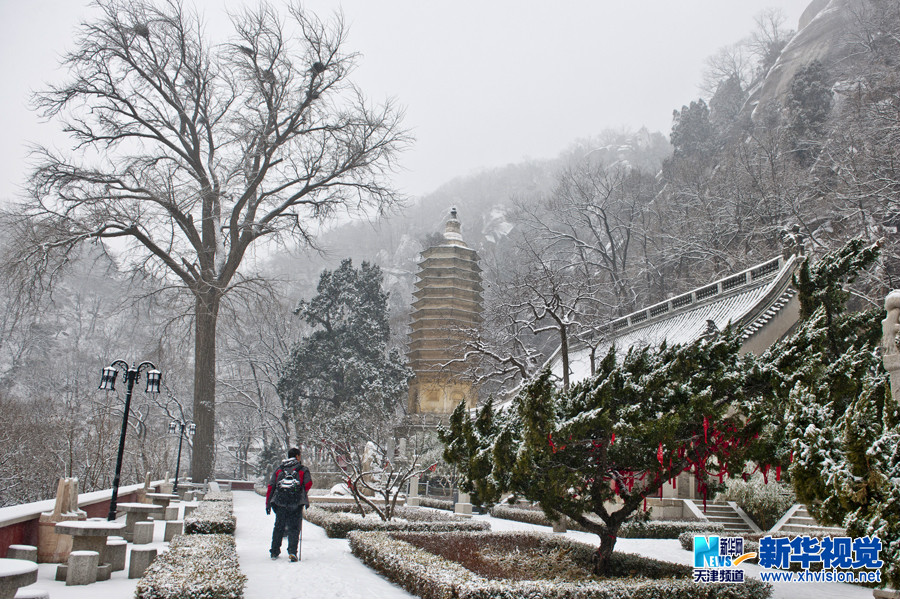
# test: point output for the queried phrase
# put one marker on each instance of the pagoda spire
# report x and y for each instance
(446, 311)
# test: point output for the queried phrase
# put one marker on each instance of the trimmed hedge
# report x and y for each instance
(211, 517)
(219, 496)
(338, 520)
(651, 529)
(432, 577)
(438, 504)
(665, 529)
(194, 567)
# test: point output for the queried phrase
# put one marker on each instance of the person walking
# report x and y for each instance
(287, 494)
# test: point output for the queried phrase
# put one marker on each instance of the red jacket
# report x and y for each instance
(303, 474)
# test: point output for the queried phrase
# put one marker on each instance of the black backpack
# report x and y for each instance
(288, 479)
(289, 485)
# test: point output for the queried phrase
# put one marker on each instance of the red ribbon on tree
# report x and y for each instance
(705, 429)
(778, 473)
(659, 454)
(612, 439)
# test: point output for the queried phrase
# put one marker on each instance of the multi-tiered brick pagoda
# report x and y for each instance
(446, 310)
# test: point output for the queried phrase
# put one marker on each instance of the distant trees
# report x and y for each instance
(256, 338)
(191, 152)
(58, 423)
(582, 255)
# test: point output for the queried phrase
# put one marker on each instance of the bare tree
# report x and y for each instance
(371, 466)
(255, 342)
(735, 60)
(768, 39)
(190, 152)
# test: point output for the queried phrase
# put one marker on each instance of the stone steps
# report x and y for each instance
(800, 522)
(724, 514)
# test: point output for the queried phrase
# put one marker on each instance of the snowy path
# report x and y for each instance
(327, 568)
(670, 550)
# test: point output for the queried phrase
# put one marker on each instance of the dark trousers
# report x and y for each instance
(286, 518)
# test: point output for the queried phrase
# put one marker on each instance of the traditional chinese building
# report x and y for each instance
(446, 311)
(760, 303)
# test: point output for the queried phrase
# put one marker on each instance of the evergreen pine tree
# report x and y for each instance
(342, 374)
(620, 436)
(829, 401)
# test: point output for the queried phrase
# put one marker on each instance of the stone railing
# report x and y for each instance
(751, 276)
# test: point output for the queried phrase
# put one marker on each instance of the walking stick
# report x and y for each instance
(300, 538)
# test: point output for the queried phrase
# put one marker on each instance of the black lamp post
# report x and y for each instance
(179, 425)
(108, 383)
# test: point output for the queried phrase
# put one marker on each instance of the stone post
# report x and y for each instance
(463, 505)
(166, 486)
(890, 355)
(54, 548)
(890, 327)
(412, 498)
(559, 525)
(140, 496)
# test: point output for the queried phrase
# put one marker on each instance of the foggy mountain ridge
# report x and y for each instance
(821, 36)
(486, 202)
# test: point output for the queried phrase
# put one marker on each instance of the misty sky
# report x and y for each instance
(484, 83)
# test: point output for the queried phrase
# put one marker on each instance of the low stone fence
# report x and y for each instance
(236, 485)
(19, 523)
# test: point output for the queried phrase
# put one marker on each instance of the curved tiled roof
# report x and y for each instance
(748, 300)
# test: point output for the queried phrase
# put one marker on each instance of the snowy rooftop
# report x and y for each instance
(747, 300)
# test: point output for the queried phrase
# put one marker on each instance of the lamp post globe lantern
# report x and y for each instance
(108, 383)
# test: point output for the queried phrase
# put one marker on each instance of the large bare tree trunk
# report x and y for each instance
(207, 311)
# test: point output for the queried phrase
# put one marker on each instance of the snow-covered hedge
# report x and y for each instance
(338, 520)
(651, 529)
(665, 529)
(219, 496)
(438, 504)
(211, 517)
(526, 515)
(194, 567)
(432, 577)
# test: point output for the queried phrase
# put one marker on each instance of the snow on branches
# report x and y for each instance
(614, 439)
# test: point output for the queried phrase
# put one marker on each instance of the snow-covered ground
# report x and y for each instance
(328, 569)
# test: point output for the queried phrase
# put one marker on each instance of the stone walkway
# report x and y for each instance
(327, 568)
